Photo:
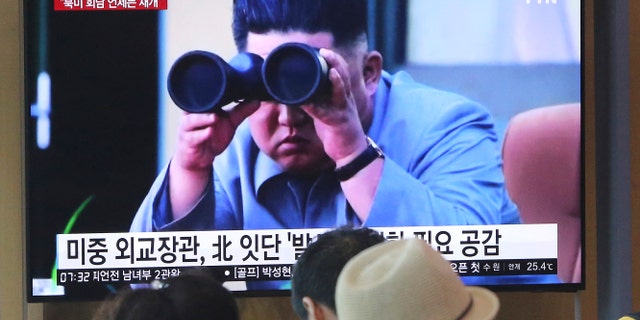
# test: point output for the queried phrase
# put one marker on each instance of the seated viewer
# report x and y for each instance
(193, 295)
(316, 272)
(407, 279)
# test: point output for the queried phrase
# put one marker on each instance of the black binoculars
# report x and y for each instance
(292, 74)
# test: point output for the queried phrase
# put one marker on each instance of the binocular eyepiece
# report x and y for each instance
(292, 74)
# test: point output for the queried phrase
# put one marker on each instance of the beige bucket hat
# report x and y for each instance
(407, 279)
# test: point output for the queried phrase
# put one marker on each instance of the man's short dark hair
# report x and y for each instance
(194, 294)
(346, 20)
(316, 272)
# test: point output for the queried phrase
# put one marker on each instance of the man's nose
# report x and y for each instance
(292, 116)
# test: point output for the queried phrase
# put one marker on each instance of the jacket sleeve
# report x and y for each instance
(448, 172)
(211, 212)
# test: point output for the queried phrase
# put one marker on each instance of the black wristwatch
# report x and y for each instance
(371, 153)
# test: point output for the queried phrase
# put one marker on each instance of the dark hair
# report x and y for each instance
(190, 296)
(346, 20)
(316, 272)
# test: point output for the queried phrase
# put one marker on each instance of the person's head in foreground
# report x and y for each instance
(630, 316)
(316, 271)
(407, 279)
(192, 296)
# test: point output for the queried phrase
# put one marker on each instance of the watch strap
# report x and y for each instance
(369, 154)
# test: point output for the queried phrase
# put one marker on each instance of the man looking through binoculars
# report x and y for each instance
(377, 150)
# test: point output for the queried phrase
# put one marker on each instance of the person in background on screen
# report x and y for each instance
(189, 296)
(313, 282)
(407, 279)
(317, 165)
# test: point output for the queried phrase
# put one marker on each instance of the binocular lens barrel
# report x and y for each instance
(200, 81)
(197, 81)
(293, 74)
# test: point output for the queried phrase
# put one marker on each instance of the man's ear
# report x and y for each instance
(314, 312)
(372, 71)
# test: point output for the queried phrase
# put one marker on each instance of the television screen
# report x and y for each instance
(472, 111)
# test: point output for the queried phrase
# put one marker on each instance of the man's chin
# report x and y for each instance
(304, 166)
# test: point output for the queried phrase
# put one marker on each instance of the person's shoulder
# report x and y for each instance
(402, 85)
(426, 103)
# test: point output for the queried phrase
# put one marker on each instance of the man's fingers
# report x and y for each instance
(196, 121)
(339, 90)
(338, 63)
(242, 111)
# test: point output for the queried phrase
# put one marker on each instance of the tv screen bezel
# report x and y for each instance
(564, 287)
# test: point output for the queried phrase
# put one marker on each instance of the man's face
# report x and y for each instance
(287, 133)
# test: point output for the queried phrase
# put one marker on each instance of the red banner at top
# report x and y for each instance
(96, 5)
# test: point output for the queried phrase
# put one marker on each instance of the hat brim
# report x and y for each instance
(485, 304)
